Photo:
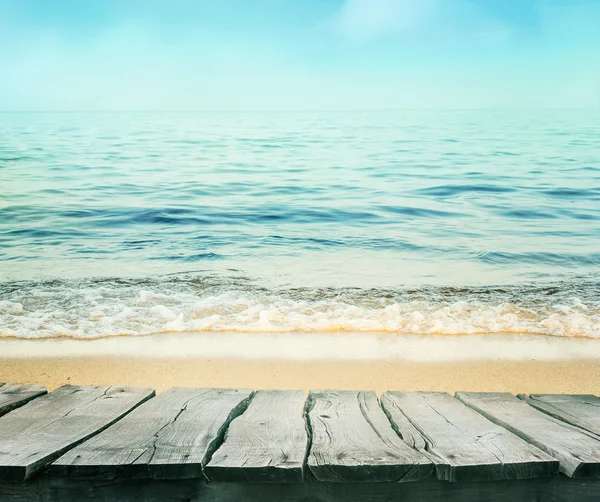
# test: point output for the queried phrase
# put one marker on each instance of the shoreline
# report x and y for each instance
(359, 361)
(346, 346)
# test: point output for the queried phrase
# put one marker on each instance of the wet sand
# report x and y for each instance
(509, 363)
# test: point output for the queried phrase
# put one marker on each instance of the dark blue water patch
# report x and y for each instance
(420, 212)
(452, 190)
(528, 214)
(12, 215)
(582, 216)
(163, 218)
(296, 170)
(585, 234)
(204, 215)
(51, 191)
(140, 243)
(92, 251)
(17, 158)
(562, 259)
(269, 217)
(353, 188)
(38, 233)
(180, 211)
(220, 240)
(573, 193)
(190, 257)
(501, 153)
(579, 213)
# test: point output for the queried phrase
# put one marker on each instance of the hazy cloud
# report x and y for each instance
(366, 19)
(391, 54)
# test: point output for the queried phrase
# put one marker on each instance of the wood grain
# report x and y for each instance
(267, 443)
(40, 431)
(464, 445)
(169, 437)
(352, 440)
(580, 410)
(13, 395)
(577, 450)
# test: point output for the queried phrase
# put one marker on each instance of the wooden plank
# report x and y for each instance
(13, 395)
(168, 437)
(577, 450)
(352, 440)
(267, 443)
(577, 409)
(49, 489)
(37, 433)
(464, 445)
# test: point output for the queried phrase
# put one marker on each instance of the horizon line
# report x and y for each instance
(294, 110)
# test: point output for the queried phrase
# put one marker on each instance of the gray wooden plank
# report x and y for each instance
(48, 489)
(577, 450)
(267, 443)
(464, 445)
(13, 395)
(38, 432)
(578, 409)
(168, 437)
(352, 440)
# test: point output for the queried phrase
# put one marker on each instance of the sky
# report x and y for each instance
(299, 54)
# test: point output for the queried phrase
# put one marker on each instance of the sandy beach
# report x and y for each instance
(516, 377)
(511, 363)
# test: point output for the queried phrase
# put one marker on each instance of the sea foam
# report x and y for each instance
(95, 309)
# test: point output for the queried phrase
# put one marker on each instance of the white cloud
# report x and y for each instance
(367, 19)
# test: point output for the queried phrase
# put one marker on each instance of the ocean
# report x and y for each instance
(405, 222)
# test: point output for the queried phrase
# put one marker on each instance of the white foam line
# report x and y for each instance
(296, 346)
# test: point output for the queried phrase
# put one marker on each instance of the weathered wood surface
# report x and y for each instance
(267, 443)
(464, 445)
(48, 489)
(352, 440)
(577, 450)
(13, 395)
(580, 410)
(171, 436)
(40, 431)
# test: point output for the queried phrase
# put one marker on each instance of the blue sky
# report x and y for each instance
(299, 54)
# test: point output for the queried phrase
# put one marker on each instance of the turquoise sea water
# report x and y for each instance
(420, 222)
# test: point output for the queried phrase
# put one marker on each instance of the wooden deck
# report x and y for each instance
(125, 443)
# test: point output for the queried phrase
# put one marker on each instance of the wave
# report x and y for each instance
(95, 308)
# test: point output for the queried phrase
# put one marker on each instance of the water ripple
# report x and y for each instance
(363, 199)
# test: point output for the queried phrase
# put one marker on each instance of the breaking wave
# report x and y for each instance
(95, 308)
